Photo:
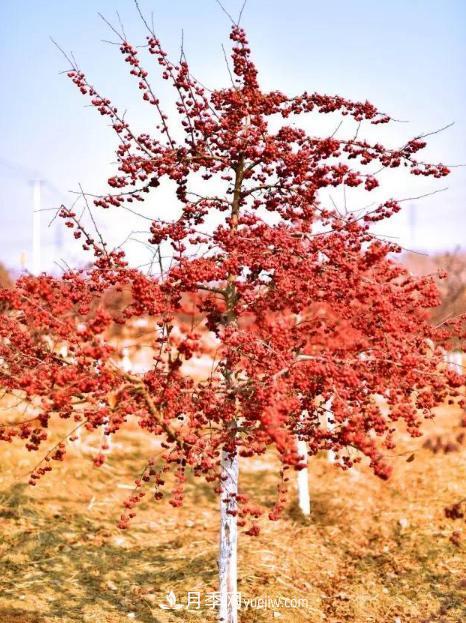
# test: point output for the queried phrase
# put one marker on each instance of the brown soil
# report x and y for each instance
(372, 552)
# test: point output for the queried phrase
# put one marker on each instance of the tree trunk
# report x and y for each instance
(331, 456)
(227, 559)
(304, 499)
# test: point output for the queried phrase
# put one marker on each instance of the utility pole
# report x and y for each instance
(36, 233)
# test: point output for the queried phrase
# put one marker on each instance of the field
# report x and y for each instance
(373, 552)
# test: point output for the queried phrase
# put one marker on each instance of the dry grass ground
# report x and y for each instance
(373, 552)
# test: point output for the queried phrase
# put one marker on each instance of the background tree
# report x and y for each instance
(452, 286)
(295, 299)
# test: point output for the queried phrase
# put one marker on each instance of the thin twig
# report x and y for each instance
(226, 12)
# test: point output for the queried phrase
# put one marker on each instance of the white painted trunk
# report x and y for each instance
(126, 363)
(454, 359)
(78, 435)
(331, 457)
(304, 499)
(227, 558)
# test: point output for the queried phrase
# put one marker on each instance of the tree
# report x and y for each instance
(452, 268)
(297, 302)
(452, 265)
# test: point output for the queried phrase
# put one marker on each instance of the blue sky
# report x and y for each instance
(406, 56)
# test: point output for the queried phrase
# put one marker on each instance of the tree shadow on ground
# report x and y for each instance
(324, 512)
(66, 566)
(15, 615)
